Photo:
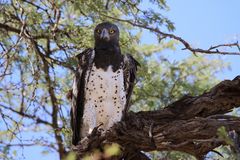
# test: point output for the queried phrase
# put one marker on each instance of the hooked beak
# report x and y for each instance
(105, 35)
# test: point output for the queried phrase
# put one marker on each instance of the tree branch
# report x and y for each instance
(219, 100)
(55, 107)
(34, 117)
(196, 136)
(18, 31)
(9, 28)
(189, 125)
(211, 50)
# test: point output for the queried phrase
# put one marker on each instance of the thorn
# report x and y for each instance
(211, 47)
(151, 136)
(194, 53)
(218, 153)
(150, 130)
(238, 46)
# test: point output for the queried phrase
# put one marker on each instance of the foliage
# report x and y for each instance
(222, 133)
(71, 156)
(38, 40)
(164, 82)
(109, 150)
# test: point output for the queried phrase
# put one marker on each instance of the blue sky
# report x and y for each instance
(205, 23)
(202, 23)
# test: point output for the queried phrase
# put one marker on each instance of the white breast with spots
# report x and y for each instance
(104, 99)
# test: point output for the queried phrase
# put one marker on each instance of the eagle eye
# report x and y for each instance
(111, 31)
(98, 31)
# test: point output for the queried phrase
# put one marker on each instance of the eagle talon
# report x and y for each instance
(101, 130)
(96, 131)
(100, 125)
(82, 145)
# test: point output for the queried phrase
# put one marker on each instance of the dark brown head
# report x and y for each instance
(106, 36)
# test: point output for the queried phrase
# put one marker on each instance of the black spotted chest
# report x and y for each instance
(105, 97)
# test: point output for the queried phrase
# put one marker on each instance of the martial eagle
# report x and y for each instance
(103, 84)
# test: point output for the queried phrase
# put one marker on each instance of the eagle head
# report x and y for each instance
(106, 35)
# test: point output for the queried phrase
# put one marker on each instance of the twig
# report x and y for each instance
(172, 36)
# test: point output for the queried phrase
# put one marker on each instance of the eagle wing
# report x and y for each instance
(85, 60)
(129, 71)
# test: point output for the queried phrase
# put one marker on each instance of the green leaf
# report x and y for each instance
(223, 134)
(112, 150)
(71, 156)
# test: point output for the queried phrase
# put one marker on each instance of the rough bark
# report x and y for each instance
(189, 125)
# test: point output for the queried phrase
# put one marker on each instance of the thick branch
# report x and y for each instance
(219, 100)
(196, 136)
(189, 125)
